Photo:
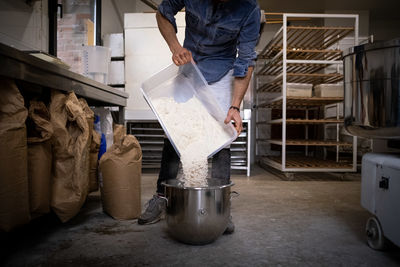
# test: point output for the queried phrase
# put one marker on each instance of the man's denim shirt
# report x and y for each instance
(221, 36)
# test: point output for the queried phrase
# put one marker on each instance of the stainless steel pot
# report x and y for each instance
(372, 90)
(200, 215)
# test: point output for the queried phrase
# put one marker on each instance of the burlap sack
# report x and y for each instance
(40, 131)
(93, 162)
(14, 197)
(119, 132)
(121, 168)
(89, 114)
(70, 151)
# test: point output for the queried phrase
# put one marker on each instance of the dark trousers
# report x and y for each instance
(221, 165)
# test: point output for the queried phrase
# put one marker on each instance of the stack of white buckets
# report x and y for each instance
(96, 62)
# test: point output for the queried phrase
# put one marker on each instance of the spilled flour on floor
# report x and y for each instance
(195, 133)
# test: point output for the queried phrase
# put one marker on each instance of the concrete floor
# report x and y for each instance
(315, 220)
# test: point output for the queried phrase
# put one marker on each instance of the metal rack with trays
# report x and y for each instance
(151, 138)
(300, 54)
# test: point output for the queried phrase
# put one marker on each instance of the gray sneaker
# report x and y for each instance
(154, 210)
(230, 228)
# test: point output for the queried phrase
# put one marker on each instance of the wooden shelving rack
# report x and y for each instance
(300, 54)
(306, 121)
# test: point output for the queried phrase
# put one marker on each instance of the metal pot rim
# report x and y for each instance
(373, 46)
(214, 187)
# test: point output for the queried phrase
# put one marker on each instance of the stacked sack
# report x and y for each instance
(48, 157)
(70, 182)
(121, 176)
(40, 132)
(93, 162)
(92, 147)
(14, 197)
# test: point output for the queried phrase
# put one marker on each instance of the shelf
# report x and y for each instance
(274, 66)
(306, 121)
(151, 138)
(296, 142)
(147, 142)
(302, 55)
(276, 69)
(307, 163)
(146, 129)
(21, 66)
(150, 135)
(314, 78)
(306, 37)
(270, 88)
(301, 102)
(239, 143)
(307, 54)
(275, 84)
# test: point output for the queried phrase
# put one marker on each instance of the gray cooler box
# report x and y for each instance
(380, 195)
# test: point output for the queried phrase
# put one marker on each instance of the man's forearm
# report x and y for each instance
(180, 55)
(240, 86)
(168, 32)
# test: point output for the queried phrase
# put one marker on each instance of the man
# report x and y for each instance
(220, 37)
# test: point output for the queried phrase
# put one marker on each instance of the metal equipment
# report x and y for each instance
(372, 110)
(200, 215)
(372, 90)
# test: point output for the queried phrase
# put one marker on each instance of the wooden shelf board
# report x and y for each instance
(298, 142)
(301, 102)
(307, 38)
(276, 69)
(306, 121)
(314, 78)
(276, 57)
(310, 162)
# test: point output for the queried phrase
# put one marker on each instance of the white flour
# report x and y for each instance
(195, 133)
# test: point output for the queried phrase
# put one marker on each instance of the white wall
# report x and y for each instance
(24, 26)
(382, 19)
(383, 15)
(385, 29)
(111, 16)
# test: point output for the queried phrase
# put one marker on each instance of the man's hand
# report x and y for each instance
(234, 115)
(181, 56)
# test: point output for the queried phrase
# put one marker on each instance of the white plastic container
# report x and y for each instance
(329, 90)
(182, 84)
(299, 89)
(96, 62)
(331, 110)
(116, 73)
(115, 41)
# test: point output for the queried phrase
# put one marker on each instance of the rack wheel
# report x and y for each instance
(375, 238)
(289, 176)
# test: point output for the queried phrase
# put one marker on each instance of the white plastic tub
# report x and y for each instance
(331, 110)
(299, 89)
(182, 84)
(96, 62)
(329, 90)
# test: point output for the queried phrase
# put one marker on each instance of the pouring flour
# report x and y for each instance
(195, 133)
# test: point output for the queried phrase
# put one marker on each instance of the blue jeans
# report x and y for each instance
(221, 165)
